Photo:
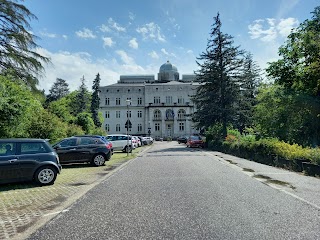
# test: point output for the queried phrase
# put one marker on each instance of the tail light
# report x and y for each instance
(108, 146)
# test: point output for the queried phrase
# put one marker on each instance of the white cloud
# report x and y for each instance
(190, 51)
(151, 31)
(131, 16)
(85, 33)
(107, 41)
(286, 25)
(49, 35)
(72, 66)
(133, 43)
(154, 55)
(270, 29)
(125, 57)
(115, 25)
(164, 51)
(105, 28)
(65, 37)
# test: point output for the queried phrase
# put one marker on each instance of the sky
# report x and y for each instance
(123, 37)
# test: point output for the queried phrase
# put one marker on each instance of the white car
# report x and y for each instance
(121, 142)
(137, 141)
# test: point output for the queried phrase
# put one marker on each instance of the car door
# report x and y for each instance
(9, 166)
(85, 148)
(28, 158)
(66, 149)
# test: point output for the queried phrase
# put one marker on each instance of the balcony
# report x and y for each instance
(157, 119)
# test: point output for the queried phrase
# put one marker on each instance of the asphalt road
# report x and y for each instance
(171, 192)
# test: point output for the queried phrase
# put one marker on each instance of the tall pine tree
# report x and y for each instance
(249, 82)
(95, 100)
(219, 76)
(81, 98)
(59, 89)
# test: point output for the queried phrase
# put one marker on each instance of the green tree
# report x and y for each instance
(95, 101)
(17, 106)
(249, 83)
(82, 99)
(85, 121)
(59, 89)
(18, 56)
(298, 69)
(219, 75)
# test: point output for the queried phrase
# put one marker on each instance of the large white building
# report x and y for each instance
(160, 108)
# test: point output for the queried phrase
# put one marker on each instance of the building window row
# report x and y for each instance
(118, 101)
(118, 114)
(156, 127)
(118, 127)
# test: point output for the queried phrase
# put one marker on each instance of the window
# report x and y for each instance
(129, 100)
(157, 114)
(88, 141)
(181, 114)
(181, 126)
(180, 100)
(107, 127)
(139, 101)
(118, 128)
(169, 99)
(32, 148)
(139, 127)
(139, 114)
(157, 127)
(117, 114)
(69, 142)
(117, 101)
(7, 148)
(156, 100)
(107, 114)
(128, 114)
(107, 101)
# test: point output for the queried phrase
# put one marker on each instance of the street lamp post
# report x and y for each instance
(127, 127)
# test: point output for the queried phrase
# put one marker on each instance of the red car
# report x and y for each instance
(195, 141)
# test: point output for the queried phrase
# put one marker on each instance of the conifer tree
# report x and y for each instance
(95, 101)
(59, 89)
(219, 74)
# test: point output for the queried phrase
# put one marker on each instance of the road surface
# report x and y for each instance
(172, 192)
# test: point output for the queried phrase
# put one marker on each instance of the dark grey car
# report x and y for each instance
(83, 149)
(28, 160)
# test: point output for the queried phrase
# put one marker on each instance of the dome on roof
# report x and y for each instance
(168, 67)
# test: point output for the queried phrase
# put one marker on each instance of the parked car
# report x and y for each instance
(28, 160)
(147, 140)
(182, 139)
(83, 149)
(121, 142)
(103, 138)
(195, 141)
(138, 141)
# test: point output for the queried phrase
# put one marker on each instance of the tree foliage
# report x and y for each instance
(82, 99)
(249, 83)
(298, 71)
(219, 77)
(95, 101)
(59, 89)
(18, 55)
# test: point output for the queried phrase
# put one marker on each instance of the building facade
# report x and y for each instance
(160, 108)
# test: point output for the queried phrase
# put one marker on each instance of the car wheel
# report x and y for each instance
(127, 149)
(98, 160)
(45, 175)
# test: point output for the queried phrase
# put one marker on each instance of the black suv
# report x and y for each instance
(82, 149)
(28, 160)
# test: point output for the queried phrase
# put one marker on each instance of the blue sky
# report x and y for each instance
(121, 37)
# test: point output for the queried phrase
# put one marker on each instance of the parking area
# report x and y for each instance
(22, 205)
